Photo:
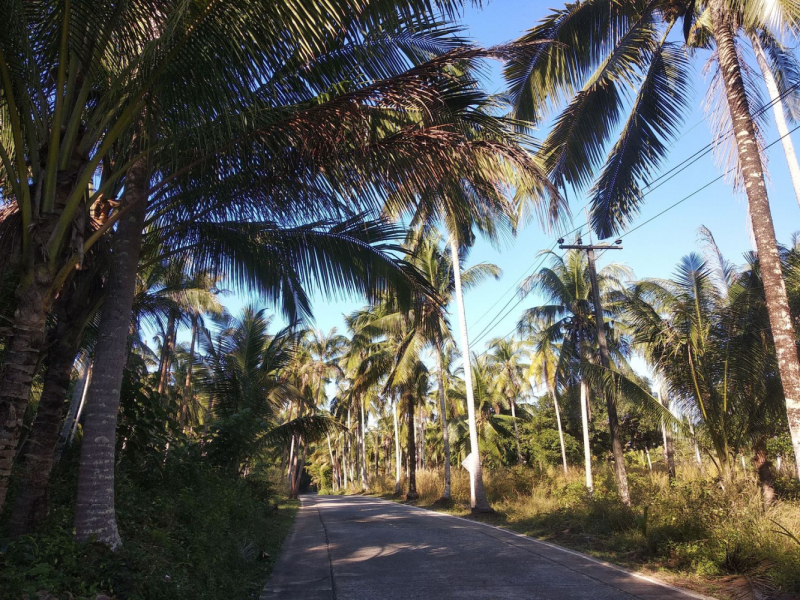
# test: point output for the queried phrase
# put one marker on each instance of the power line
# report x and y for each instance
(649, 186)
(630, 231)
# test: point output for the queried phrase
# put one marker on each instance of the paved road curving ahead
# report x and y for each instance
(358, 548)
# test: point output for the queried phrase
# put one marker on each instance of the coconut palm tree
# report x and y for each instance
(247, 385)
(506, 356)
(781, 74)
(569, 319)
(138, 114)
(428, 325)
(707, 331)
(543, 365)
(590, 53)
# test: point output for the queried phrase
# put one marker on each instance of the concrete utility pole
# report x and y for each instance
(605, 359)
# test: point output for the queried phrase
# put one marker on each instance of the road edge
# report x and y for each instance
(637, 574)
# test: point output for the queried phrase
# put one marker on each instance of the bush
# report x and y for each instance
(188, 531)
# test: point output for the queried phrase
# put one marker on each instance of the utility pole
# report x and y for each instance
(605, 359)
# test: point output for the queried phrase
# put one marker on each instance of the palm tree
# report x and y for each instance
(429, 324)
(706, 330)
(569, 319)
(160, 155)
(780, 71)
(248, 383)
(543, 365)
(506, 356)
(588, 53)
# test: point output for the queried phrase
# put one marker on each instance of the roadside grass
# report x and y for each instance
(692, 533)
(189, 532)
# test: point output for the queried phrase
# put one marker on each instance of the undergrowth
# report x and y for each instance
(189, 532)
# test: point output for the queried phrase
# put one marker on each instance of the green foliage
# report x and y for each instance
(189, 531)
(540, 442)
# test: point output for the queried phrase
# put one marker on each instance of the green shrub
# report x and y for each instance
(188, 531)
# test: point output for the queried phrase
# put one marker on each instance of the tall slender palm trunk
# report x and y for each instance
(301, 464)
(94, 510)
(344, 463)
(550, 385)
(561, 435)
(513, 404)
(334, 470)
(620, 473)
(398, 454)
(364, 474)
(761, 219)
(778, 113)
(669, 449)
(187, 383)
(412, 450)
(587, 451)
(19, 366)
(478, 499)
(167, 348)
(447, 494)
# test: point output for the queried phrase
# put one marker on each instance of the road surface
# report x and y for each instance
(359, 548)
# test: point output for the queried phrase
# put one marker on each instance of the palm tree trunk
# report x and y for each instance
(364, 475)
(344, 462)
(587, 451)
(412, 451)
(334, 474)
(478, 500)
(166, 353)
(446, 495)
(669, 450)
(187, 384)
(398, 454)
(292, 463)
(73, 309)
(516, 429)
(420, 447)
(94, 510)
(761, 219)
(620, 473)
(19, 366)
(299, 470)
(560, 435)
(778, 112)
(377, 455)
(38, 457)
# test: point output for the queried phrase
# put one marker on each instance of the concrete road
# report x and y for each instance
(357, 548)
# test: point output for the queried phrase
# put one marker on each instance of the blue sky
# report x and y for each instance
(651, 251)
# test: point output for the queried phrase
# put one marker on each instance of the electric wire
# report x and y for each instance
(483, 333)
(649, 187)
